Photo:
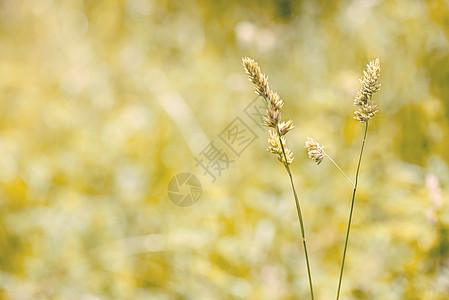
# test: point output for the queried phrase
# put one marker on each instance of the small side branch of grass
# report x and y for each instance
(344, 174)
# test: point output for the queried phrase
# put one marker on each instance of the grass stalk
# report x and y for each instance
(352, 209)
(301, 222)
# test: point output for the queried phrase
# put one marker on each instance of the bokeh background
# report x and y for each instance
(103, 102)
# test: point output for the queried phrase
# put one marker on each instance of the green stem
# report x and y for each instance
(298, 209)
(352, 209)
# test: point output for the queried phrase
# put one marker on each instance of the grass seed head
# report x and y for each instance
(369, 86)
(314, 150)
(272, 117)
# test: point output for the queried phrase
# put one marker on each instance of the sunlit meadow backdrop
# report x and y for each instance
(103, 102)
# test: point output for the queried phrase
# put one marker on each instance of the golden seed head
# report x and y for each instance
(260, 81)
(273, 141)
(285, 127)
(272, 118)
(369, 85)
(314, 150)
(366, 112)
(256, 76)
(276, 147)
(274, 100)
(289, 155)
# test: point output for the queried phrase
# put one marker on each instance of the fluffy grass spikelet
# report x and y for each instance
(285, 127)
(260, 82)
(314, 150)
(275, 147)
(272, 118)
(369, 86)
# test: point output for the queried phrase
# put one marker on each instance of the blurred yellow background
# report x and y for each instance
(102, 103)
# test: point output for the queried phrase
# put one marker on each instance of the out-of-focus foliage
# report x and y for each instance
(102, 102)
